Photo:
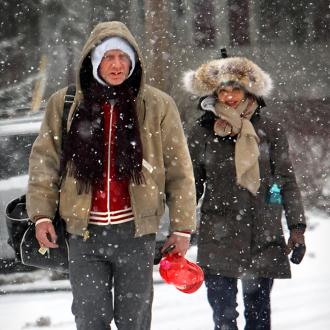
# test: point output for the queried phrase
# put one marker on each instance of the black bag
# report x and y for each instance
(21, 230)
(17, 223)
(22, 239)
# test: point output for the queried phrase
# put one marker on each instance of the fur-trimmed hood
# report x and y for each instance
(209, 76)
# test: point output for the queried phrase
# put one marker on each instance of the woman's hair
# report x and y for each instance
(235, 84)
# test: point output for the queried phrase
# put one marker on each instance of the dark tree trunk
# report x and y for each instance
(157, 25)
(238, 11)
(204, 25)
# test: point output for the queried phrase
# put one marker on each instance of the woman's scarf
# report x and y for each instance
(236, 122)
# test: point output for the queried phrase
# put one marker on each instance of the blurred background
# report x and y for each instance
(40, 43)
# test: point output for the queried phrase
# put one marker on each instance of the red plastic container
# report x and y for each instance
(186, 276)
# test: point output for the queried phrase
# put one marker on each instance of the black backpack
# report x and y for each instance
(17, 220)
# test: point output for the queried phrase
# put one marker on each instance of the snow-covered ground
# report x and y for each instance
(297, 304)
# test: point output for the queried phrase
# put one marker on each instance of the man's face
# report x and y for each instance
(114, 67)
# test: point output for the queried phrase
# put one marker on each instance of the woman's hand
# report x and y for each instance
(222, 127)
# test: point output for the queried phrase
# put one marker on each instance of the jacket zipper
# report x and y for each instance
(109, 159)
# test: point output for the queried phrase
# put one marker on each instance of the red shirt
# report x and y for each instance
(111, 203)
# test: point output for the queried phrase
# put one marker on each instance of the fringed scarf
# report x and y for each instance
(236, 122)
(83, 151)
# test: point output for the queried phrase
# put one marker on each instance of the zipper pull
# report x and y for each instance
(86, 235)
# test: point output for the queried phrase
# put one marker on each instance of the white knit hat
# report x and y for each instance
(109, 44)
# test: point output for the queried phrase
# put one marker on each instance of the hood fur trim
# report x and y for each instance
(208, 77)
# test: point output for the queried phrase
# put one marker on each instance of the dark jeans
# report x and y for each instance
(221, 293)
(111, 278)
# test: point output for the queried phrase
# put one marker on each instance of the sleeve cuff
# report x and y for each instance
(300, 226)
(182, 233)
(40, 220)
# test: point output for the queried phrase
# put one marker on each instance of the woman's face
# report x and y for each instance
(231, 96)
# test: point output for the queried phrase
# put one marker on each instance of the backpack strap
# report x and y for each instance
(68, 100)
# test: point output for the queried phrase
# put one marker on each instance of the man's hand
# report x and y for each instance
(45, 234)
(181, 244)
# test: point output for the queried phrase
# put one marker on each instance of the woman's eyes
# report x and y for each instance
(234, 90)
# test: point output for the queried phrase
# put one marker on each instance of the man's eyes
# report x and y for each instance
(124, 57)
(120, 57)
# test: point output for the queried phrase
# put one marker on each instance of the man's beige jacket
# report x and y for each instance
(167, 165)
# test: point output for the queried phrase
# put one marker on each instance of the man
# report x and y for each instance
(124, 155)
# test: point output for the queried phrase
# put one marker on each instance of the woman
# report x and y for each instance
(240, 157)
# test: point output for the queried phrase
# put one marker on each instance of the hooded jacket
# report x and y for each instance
(241, 235)
(167, 167)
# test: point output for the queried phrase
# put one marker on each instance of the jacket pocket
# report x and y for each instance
(215, 228)
(147, 198)
(72, 204)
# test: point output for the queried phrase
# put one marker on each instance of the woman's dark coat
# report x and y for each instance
(241, 234)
